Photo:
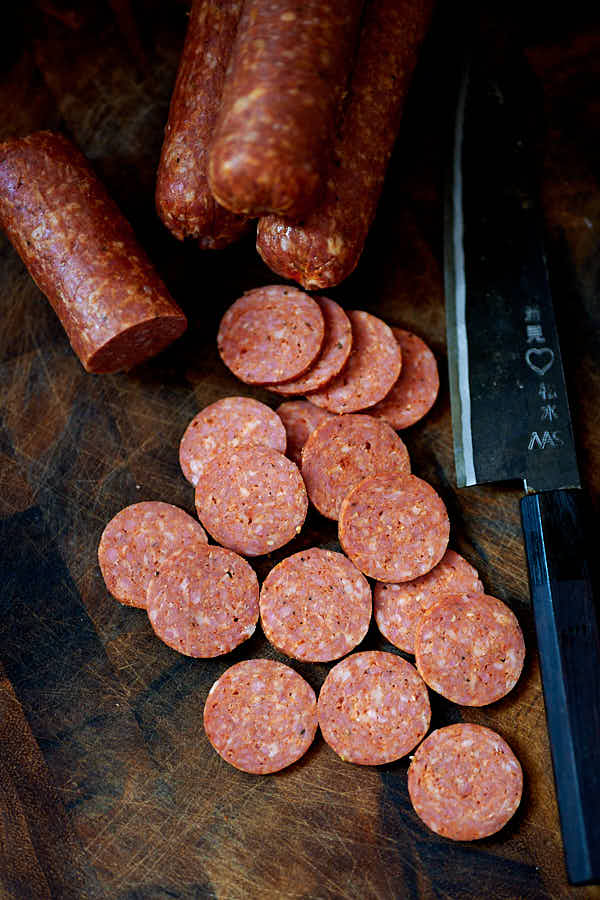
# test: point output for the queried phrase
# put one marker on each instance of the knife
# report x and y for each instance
(510, 413)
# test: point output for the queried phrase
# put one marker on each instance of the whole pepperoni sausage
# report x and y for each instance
(325, 248)
(83, 255)
(183, 198)
(288, 70)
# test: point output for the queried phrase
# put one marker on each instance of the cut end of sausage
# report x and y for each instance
(136, 345)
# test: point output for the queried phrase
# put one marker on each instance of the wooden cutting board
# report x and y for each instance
(108, 786)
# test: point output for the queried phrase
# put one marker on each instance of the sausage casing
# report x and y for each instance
(325, 248)
(83, 255)
(183, 198)
(289, 68)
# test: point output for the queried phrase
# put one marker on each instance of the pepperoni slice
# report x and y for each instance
(252, 500)
(465, 782)
(204, 603)
(344, 450)
(300, 418)
(271, 334)
(416, 389)
(398, 607)
(372, 369)
(260, 716)
(373, 708)
(136, 543)
(470, 649)
(315, 605)
(393, 527)
(334, 354)
(228, 423)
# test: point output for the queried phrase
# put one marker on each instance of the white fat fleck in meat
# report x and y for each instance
(377, 695)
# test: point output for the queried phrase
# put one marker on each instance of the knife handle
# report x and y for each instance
(566, 619)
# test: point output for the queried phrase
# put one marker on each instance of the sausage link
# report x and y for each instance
(288, 70)
(325, 248)
(183, 198)
(83, 254)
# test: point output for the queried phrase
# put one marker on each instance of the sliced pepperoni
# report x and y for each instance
(344, 450)
(204, 603)
(465, 782)
(334, 354)
(271, 334)
(300, 418)
(398, 607)
(372, 369)
(230, 422)
(469, 648)
(416, 389)
(315, 605)
(393, 527)
(373, 708)
(252, 500)
(136, 543)
(260, 716)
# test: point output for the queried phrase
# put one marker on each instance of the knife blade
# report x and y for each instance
(510, 412)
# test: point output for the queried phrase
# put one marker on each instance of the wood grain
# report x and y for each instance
(108, 786)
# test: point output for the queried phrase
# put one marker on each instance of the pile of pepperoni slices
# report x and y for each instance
(316, 605)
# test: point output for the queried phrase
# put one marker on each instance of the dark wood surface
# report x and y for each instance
(108, 786)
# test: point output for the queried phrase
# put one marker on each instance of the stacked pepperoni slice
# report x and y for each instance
(201, 600)
(315, 606)
(343, 362)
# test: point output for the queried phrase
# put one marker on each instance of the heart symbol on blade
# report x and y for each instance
(544, 357)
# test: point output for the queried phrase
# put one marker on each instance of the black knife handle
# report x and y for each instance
(568, 634)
